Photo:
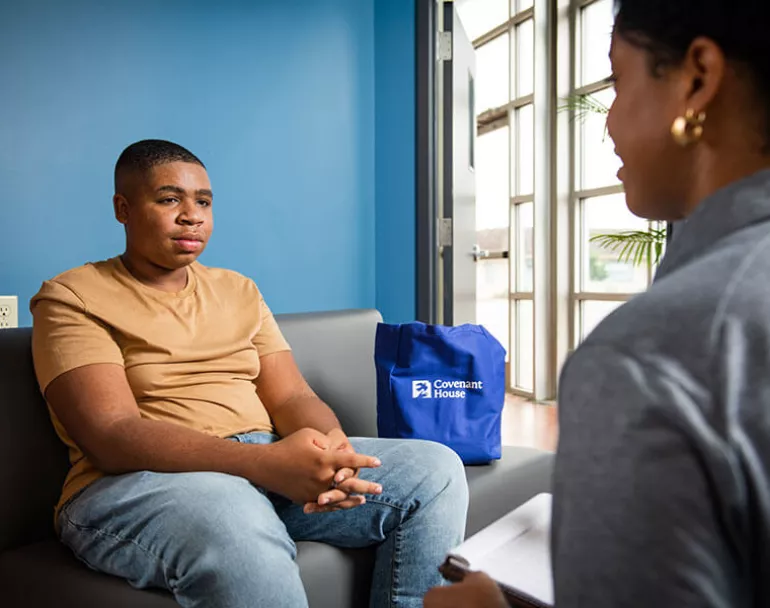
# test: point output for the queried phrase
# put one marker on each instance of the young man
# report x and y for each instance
(199, 453)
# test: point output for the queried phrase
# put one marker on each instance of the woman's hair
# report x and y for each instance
(666, 28)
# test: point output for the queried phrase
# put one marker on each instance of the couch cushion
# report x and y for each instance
(47, 574)
(335, 578)
(505, 484)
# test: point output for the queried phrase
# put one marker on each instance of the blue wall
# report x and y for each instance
(394, 120)
(278, 98)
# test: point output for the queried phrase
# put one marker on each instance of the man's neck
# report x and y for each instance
(154, 276)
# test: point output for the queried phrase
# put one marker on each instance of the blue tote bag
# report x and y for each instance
(446, 384)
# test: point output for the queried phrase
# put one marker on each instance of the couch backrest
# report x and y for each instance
(33, 462)
(334, 350)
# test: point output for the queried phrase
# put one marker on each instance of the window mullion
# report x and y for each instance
(543, 211)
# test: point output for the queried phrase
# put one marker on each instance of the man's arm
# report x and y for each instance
(288, 398)
(292, 406)
(95, 405)
(640, 482)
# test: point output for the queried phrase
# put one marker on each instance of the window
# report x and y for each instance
(522, 242)
(492, 73)
(522, 306)
(492, 226)
(595, 21)
(544, 285)
(482, 16)
(504, 37)
(601, 282)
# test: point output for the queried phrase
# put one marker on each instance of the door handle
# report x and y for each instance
(478, 253)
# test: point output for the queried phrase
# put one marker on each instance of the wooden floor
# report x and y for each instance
(529, 424)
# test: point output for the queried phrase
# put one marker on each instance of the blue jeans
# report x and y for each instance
(217, 541)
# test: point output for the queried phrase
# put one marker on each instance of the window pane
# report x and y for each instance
(525, 65)
(492, 193)
(596, 24)
(523, 247)
(492, 298)
(523, 339)
(480, 16)
(521, 5)
(600, 270)
(492, 74)
(598, 162)
(493, 240)
(524, 158)
(591, 313)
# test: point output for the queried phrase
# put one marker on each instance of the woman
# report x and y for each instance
(662, 482)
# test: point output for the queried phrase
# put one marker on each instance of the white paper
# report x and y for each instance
(515, 550)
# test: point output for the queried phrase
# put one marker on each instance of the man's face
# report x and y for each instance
(167, 213)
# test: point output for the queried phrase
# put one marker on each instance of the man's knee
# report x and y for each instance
(425, 470)
(443, 465)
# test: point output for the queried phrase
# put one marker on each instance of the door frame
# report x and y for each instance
(434, 267)
(427, 260)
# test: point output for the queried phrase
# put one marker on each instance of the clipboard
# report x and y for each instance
(514, 551)
(454, 570)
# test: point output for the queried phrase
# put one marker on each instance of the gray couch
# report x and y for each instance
(334, 351)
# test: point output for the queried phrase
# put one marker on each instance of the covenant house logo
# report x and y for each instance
(444, 389)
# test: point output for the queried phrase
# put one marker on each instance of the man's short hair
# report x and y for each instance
(148, 153)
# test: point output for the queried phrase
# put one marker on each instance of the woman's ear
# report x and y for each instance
(703, 72)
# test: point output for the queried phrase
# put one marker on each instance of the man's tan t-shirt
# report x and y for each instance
(191, 358)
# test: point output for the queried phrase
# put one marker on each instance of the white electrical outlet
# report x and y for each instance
(9, 312)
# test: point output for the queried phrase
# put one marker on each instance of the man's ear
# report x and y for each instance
(120, 203)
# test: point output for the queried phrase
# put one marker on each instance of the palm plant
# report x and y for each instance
(635, 246)
(583, 106)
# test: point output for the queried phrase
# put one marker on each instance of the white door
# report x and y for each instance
(459, 187)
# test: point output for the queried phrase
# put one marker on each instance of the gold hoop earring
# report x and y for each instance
(688, 129)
